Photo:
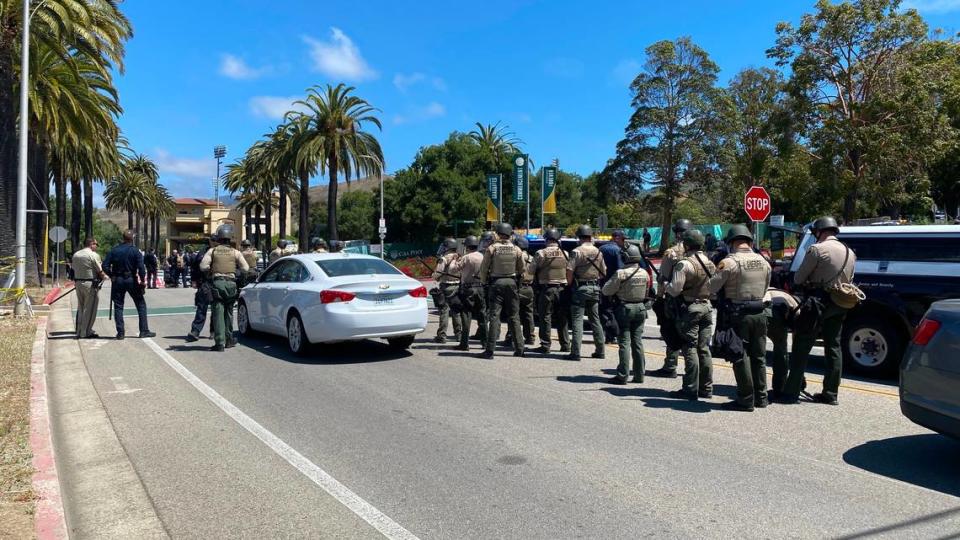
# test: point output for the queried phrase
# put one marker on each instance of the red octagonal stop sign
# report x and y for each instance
(757, 203)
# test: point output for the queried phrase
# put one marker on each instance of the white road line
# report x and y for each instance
(366, 511)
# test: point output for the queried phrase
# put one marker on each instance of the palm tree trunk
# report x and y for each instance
(60, 190)
(332, 198)
(256, 231)
(304, 210)
(282, 208)
(129, 219)
(88, 206)
(137, 229)
(268, 226)
(76, 199)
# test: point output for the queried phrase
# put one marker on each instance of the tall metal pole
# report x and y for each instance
(543, 186)
(383, 235)
(500, 191)
(526, 166)
(21, 262)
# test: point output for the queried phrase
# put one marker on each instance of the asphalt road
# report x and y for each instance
(446, 445)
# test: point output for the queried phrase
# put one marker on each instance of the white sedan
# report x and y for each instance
(332, 297)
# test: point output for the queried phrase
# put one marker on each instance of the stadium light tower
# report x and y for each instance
(219, 152)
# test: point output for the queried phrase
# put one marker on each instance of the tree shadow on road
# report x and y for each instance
(928, 460)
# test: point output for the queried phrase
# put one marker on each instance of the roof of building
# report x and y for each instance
(195, 201)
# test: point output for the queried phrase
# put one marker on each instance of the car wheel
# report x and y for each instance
(400, 343)
(296, 337)
(243, 320)
(872, 346)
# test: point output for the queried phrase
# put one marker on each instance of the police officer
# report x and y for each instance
(336, 246)
(550, 269)
(448, 282)
(501, 269)
(487, 238)
(124, 265)
(584, 271)
(222, 263)
(744, 277)
(668, 327)
(278, 252)
(629, 285)
(472, 300)
(525, 292)
(88, 276)
(249, 255)
(690, 291)
(827, 264)
(204, 295)
(150, 262)
(318, 245)
(611, 252)
(782, 307)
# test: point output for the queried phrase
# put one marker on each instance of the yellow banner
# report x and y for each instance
(492, 213)
(550, 204)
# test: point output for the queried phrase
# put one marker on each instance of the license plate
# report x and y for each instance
(383, 301)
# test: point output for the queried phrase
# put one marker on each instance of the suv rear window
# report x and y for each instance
(905, 248)
(355, 267)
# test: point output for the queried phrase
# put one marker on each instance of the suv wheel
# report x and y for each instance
(872, 346)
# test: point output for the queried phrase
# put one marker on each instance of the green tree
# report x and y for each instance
(358, 215)
(128, 191)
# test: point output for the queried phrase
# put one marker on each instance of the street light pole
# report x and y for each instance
(219, 152)
(382, 226)
(20, 281)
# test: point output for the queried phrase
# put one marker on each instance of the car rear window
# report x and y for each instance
(355, 267)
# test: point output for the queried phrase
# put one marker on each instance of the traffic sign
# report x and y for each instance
(383, 230)
(58, 234)
(756, 203)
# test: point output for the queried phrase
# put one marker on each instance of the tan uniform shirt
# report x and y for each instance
(543, 263)
(468, 267)
(508, 256)
(86, 264)
(445, 272)
(823, 262)
(586, 263)
(630, 284)
(529, 269)
(238, 257)
(689, 278)
(671, 257)
(275, 254)
(743, 275)
(250, 256)
(776, 296)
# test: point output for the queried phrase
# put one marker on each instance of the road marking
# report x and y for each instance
(366, 511)
(121, 387)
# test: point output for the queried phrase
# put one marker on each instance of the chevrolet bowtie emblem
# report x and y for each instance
(384, 286)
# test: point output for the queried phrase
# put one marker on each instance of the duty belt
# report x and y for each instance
(697, 301)
(224, 278)
(587, 282)
(632, 301)
(551, 285)
(509, 276)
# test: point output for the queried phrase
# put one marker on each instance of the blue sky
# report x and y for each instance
(557, 72)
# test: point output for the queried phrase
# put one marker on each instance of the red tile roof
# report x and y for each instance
(195, 202)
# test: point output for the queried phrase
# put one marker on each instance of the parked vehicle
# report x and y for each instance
(930, 373)
(903, 270)
(333, 297)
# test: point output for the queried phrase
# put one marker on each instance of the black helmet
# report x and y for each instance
(245, 243)
(632, 254)
(738, 232)
(282, 244)
(825, 223)
(552, 234)
(682, 225)
(504, 229)
(316, 242)
(521, 241)
(471, 241)
(224, 232)
(693, 239)
(584, 231)
(447, 245)
(486, 239)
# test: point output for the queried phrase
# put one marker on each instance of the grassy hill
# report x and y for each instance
(319, 193)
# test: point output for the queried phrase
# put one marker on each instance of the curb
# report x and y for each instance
(49, 520)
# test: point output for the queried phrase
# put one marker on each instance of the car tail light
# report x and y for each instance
(331, 297)
(926, 331)
(419, 292)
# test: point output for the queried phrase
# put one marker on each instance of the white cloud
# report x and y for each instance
(403, 81)
(419, 114)
(184, 167)
(933, 6)
(235, 67)
(273, 107)
(339, 57)
(564, 68)
(439, 84)
(626, 71)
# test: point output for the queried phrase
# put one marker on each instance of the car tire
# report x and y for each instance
(296, 336)
(872, 346)
(400, 343)
(243, 320)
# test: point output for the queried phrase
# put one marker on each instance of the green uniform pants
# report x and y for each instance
(777, 332)
(526, 297)
(630, 319)
(751, 371)
(696, 328)
(224, 297)
(586, 298)
(472, 306)
(503, 296)
(87, 302)
(672, 356)
(449, 294)
(830, 328)
(551, 308)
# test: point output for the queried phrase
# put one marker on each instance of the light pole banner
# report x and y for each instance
(520, 178)
(549, 190)
(493, 197)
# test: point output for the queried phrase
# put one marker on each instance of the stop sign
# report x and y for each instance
(757, 203)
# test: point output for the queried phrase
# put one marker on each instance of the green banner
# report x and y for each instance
(549, 190)
(521, 175)
(493, 197)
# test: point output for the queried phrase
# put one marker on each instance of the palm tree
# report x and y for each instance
(272, 157)
(256, 191)
(159, 207)
(129, 191)
(330, 133)
(142, 164)
(496, 140)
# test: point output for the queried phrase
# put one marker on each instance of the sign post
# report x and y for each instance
(756, 203)
(521, 182)
(57, 235)
(548, 179)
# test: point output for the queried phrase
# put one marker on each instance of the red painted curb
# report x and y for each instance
(49, 520)
(51, 295)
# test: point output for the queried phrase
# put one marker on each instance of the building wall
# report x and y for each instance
(194, 222)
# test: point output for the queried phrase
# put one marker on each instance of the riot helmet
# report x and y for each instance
(738, 232)
(693, 239)
(504, 229)
(631, 255)
(224, 233)
(282, 244)
(682, 225)
(826, 223)
(552, 234)
(486, 239)
(584, 231)
(521, 241)
(245, 243)
(471, 242)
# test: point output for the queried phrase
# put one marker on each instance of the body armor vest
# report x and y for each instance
(223, 261)
(750, 280)
(504, 263)
(556, 267)
(633, 289)
(696, 287)
(586, 269)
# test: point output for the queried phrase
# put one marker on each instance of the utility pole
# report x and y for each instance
(20, 266)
